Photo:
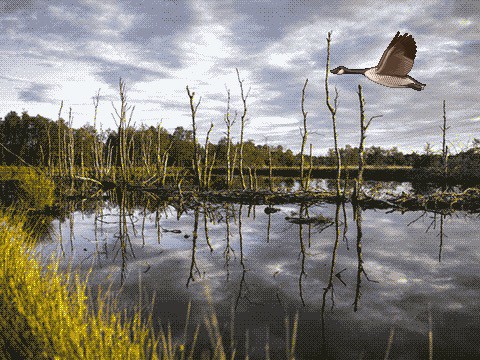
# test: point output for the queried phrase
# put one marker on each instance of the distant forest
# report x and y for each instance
(37, 140)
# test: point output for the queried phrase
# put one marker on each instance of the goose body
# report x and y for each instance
(393, 68)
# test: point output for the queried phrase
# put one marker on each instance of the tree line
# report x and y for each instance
(44, 142)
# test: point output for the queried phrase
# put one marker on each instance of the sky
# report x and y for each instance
(55, 50)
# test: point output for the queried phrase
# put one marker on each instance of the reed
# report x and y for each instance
(45, 314)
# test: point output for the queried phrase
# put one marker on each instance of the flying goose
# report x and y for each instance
(393, 67)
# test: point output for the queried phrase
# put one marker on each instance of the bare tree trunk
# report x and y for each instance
(59, 123)
(333, 112)
(165, 162)
(65, 149)
(100, 153)
(146, 145)
(196, 160)
(164, 175)
(122, 129)
(82, 164)
(131, 161)
(232, 174)
(205, 169)
(250, 178)
(304, 140)
(211, 169)
(270, 179)
(71, 145)
(307, 181)
(444, 147)
(243, 119)
(109, 159)
(159, 156)
(229, 122)
(361, 148)
(42, 155)
(96, 154)
(49, 149)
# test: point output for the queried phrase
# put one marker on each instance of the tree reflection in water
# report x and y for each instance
(193, 264)
(329, 287)
(266, 261)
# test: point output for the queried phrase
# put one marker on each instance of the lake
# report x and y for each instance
(364, 284)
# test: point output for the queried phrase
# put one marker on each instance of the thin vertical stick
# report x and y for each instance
(205, 172)
(96, 154)
(243, 119)
(196, 160)
(303, 182)
(229, 122)
(307, 184)
(333, 112)
(361, 148)
(444, 146)
(270, 179)
(59, 144)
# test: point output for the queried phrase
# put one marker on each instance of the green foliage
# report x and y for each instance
(35, 139)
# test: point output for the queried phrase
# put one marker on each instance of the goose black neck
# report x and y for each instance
(355, 71)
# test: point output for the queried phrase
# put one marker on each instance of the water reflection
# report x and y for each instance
(193, 266)
(264, 262)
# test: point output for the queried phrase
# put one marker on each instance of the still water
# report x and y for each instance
(364, 283)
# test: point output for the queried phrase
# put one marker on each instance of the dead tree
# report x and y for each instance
(71, 146)
(310, 168)
(205, 168)
(159, 154)
(96, 146)
(304, 134)
(59, 143)
(229, 122)
(243, 120)
(444, 146)
(122, 125)
(196, 160)
(270, 177)
(49, 140)
(333, 112)
(361, 147)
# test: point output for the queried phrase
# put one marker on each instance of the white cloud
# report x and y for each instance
(75, 50)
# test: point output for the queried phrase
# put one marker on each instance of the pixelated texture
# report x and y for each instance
(288, 274)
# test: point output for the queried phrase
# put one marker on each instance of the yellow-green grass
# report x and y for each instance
(35, 189)
(45, 314)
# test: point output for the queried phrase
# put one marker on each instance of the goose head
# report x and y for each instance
(339, 70)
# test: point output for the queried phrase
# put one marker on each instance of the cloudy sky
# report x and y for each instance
(55, 50)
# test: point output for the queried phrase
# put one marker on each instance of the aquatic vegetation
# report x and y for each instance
(45, 314)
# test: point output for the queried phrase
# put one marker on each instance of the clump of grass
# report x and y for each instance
(44, 315)
(35, 191)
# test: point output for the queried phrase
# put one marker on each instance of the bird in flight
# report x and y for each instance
(393, 68)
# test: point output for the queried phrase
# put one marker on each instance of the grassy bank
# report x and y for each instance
(44, 314)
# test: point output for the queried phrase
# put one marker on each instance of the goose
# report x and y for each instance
(394, 65)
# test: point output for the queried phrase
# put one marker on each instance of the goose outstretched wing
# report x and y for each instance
(397, 59)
